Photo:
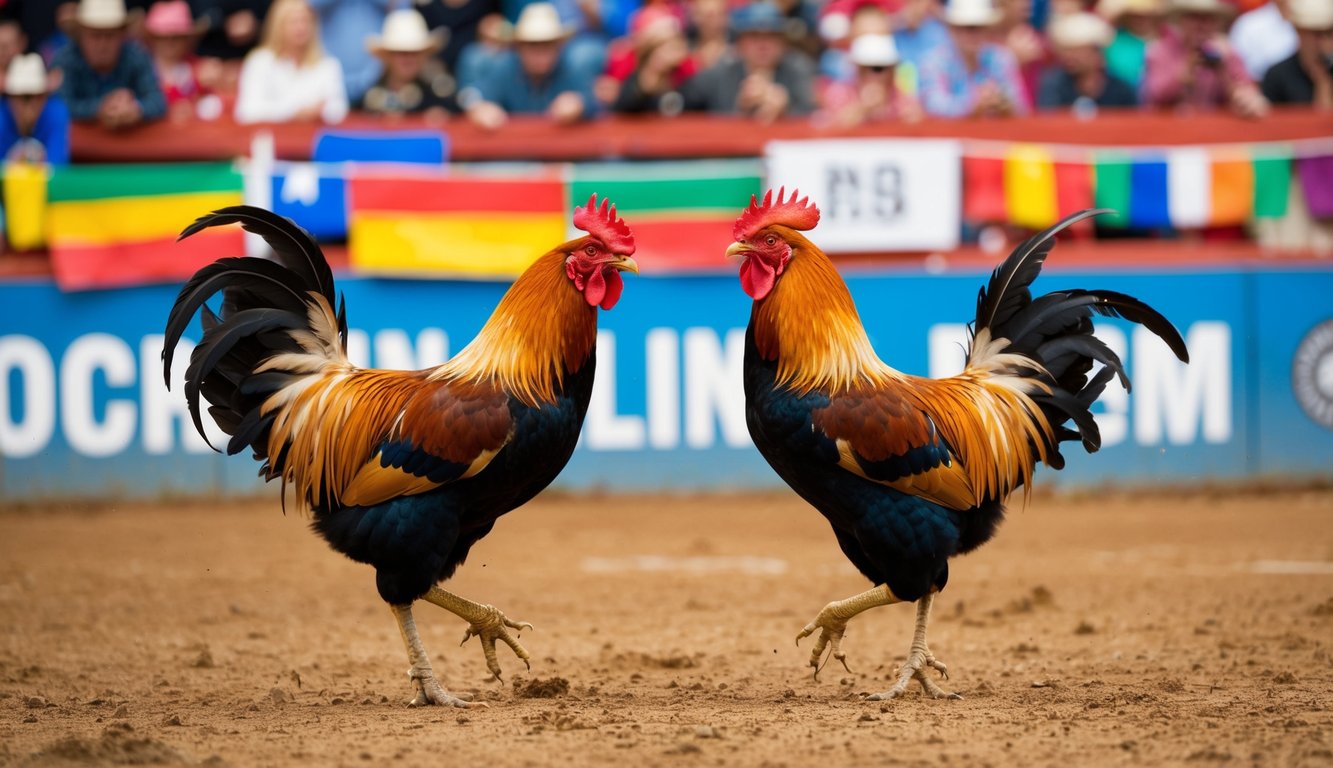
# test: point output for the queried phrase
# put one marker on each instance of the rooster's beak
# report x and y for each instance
(625, 264)
(738, 251)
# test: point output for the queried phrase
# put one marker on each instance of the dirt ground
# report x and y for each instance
(1111, 630)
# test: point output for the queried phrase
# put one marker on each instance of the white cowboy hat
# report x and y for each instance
(405, 32)
(1316, 15)
(27, 76)
(1073, 30)
(971, 13)
(101, 14)
(873, 50)
(539, 23)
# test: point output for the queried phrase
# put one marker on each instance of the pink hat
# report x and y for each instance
(172, 19)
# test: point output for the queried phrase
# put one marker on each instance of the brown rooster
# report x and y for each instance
(404, 470)
(912, 471)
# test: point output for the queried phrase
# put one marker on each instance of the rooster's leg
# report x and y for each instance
(832, 622)
(918, 658)
(429, 690)
(485, 622)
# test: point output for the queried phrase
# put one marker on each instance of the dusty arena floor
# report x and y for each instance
(1120, 630)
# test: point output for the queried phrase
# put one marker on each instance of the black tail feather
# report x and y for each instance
(262, 300)
(1056, 331)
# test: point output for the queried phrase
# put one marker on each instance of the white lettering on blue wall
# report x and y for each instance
(27, 420)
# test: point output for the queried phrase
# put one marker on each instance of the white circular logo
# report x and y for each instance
(1312, 374)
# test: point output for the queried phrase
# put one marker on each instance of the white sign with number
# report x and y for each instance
(875, 195)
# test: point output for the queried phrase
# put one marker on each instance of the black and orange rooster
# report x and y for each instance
(404, 470)
(912, 471)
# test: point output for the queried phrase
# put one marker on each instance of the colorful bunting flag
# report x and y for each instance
(1029, 186)
(1148, 192)
(983, 189)
(681, 212)
(1232, 198)
(1272, 182)
(116, 225)
(438, 224)
(1317, 181)
(1188, 186)
(1111, 172)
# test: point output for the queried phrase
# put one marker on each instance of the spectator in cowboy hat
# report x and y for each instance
(974, 76)
(106, 76)
(1305, 77)
(414, 81)
(1080, 76)
(762, 77)
(1137, 23)
(34, 125)
(537, 77)
(1192, 65)
(875, 94)
(172, 34)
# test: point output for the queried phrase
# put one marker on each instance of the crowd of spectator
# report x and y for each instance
(120, 63)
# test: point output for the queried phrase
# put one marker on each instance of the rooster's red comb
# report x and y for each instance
(602, 224)
(794, 213)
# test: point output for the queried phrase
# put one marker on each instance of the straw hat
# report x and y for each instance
(27, 76)
(101, 14)
(1074, 30)
(971, 13)
(540, 23)
(1214, 7)
(405, 32)
(172, 19)
(1113, 10)
(1316, 15)
(874, 50)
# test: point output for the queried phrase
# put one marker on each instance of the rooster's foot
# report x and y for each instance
(915, 668)
(831, 628)
(431, 693)
(493, 625)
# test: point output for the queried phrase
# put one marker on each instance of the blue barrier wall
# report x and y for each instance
(83, 412)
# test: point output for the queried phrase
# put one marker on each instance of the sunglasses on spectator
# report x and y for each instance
(25, 96)
(877, 69)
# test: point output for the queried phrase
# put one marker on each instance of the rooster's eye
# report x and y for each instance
(771, 240)
(590, 250)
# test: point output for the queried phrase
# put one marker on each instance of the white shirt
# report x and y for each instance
(273, 90)
(1262, 38)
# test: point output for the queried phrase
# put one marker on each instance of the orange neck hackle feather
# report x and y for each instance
(810, 326)
(540, 330)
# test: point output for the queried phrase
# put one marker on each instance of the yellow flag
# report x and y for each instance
(25, 205)
(1029, 186)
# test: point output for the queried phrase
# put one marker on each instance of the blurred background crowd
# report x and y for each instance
(835, 62)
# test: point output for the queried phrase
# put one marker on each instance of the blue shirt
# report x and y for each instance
(344, 26)
(505, 83)
(83, 89)
(914, 43)
(51, 130)
(948, 89)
